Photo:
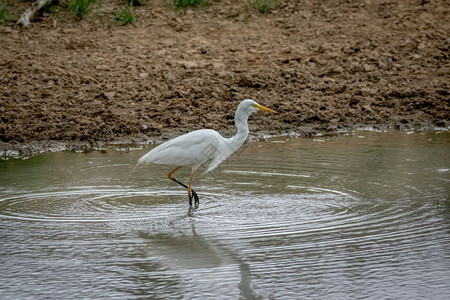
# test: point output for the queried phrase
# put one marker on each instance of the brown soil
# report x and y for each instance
(323, 65)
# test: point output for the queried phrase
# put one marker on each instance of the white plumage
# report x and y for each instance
(198, 147)
(191, 149)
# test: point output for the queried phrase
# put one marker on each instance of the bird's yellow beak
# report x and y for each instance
(265, 108)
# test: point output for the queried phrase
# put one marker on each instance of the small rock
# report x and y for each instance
(189, 64)
(354, 67)
(286, 50)
(368, 68)
(109, 95)
(332, 127)
(338, 70)
(315, 60)
(218, 65)
(366, 108)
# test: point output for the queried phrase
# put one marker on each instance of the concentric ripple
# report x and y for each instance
(92, 204)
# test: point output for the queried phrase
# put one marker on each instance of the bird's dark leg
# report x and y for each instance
(191, 192)
(194, 194)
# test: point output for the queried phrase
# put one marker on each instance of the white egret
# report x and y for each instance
(197, 147)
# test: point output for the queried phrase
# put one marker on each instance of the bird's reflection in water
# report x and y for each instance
(197, 258)
(190, 214)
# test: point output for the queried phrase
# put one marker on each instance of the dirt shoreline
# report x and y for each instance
(324, 66)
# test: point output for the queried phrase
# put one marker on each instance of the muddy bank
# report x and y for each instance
(323, 65)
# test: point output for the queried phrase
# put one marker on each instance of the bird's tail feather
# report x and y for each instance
(132, 171)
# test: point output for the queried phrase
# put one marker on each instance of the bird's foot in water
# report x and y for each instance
(195, 196)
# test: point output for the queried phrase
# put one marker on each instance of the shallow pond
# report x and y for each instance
(355, 216)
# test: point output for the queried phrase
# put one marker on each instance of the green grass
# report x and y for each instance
(135, 2)
(51, 7)
(80, 8)
(184, 4)
(263, 6)
(125, 16)
(4, 13)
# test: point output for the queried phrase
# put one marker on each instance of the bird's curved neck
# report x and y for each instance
(242, 130)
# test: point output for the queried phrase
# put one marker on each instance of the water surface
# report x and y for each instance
(363, 216)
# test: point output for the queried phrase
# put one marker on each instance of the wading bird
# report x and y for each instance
(199, 146)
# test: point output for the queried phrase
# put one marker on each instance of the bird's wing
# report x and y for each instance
(191, 149)
(214, 163)
(223, 152)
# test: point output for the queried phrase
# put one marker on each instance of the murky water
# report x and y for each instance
(350, 217)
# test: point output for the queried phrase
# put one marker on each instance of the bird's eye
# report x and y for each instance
(255, 105)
